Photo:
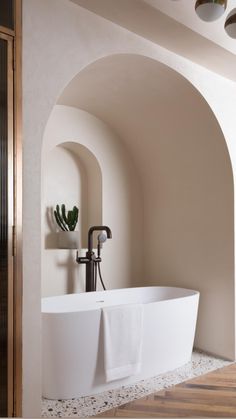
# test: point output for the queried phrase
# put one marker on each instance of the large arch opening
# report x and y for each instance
(175, 218)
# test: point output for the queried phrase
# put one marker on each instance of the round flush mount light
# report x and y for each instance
(210, 10)
(230, 24)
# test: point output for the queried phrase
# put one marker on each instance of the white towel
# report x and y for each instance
(123, 333)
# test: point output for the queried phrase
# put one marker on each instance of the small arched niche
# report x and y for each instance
(71, 176)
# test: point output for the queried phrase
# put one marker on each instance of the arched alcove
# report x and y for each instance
(184, 171)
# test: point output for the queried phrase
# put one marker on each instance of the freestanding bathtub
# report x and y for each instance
(72, 337)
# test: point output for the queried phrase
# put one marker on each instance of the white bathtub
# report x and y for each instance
(72, 341)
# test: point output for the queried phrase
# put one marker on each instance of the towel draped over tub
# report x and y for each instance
(123, 336)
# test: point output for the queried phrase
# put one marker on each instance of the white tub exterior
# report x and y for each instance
(73, 359)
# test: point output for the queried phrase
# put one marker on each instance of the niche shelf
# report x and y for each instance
(72, 175)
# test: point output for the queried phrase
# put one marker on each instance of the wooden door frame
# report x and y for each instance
(14, 40)
(18, 281)
(8, 39)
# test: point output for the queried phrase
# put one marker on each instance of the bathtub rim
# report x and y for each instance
(191, 293)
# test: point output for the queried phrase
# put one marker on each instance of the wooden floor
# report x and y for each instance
(211, 395)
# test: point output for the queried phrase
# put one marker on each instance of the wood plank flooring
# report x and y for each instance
(210, 395)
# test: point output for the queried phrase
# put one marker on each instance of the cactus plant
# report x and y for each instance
(66, 220)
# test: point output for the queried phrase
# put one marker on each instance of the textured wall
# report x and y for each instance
(52, 56)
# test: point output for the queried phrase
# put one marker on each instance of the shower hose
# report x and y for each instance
(97, 269)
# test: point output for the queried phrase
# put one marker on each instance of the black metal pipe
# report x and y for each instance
(90, 260)
(89, 286)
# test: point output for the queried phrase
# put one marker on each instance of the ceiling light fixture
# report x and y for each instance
(230, 24)
(210, 10)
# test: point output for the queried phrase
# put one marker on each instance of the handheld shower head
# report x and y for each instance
(98, 228)
(102, 237)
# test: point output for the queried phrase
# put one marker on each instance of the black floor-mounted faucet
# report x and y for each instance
(91, 259)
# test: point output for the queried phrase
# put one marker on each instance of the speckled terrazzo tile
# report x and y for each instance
(82, 407)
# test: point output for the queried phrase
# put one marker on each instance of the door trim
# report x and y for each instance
(18, 279)
(10, 188)
(10, 220)
(6, 31)
(15, 289)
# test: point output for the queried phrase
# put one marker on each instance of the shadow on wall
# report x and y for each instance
(71, 271)
(51, 238)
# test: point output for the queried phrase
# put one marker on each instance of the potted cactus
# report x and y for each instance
(68, 238)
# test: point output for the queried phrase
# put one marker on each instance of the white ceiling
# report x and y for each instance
(184, 12)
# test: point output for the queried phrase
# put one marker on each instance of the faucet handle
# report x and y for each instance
(81, 259)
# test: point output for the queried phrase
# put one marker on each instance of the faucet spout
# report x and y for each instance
(97, 228)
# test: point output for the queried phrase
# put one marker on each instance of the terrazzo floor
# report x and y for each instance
(82, 407)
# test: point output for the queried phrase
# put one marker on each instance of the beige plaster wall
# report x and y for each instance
(120, 195)
(52, 56)
(185, 172)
